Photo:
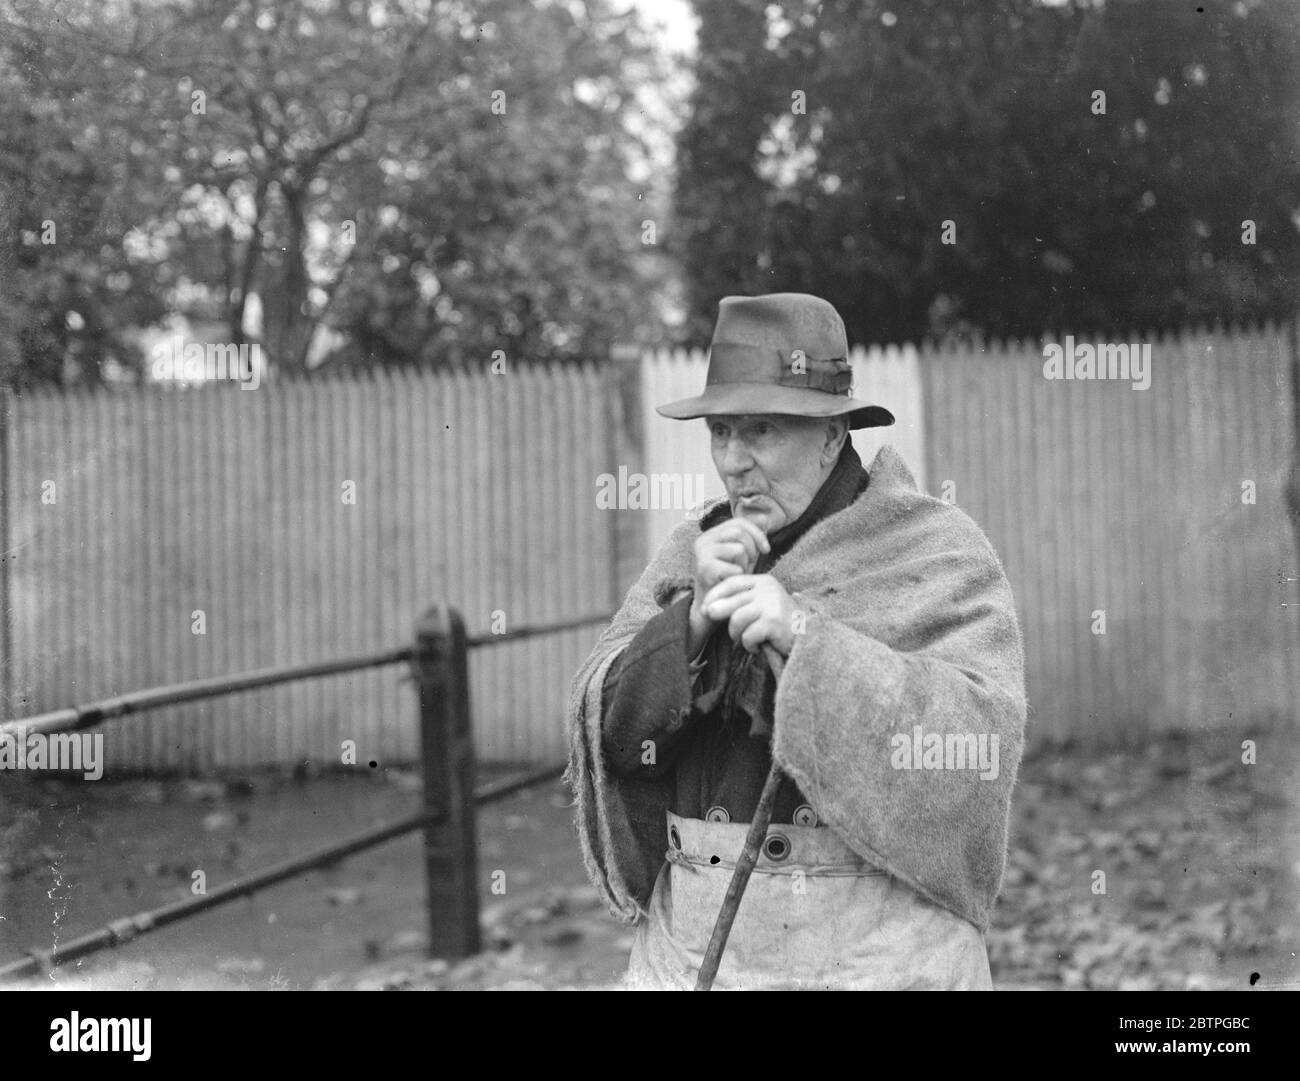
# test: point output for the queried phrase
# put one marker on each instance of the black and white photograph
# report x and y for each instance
(606, 495)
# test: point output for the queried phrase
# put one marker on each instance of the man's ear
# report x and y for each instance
(836, 430)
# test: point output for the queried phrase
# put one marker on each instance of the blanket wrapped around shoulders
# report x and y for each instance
(909, 642)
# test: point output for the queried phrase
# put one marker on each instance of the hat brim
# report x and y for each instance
(733, 398)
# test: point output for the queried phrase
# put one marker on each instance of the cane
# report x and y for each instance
(748, 856)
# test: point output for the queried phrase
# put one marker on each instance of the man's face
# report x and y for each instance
(772, 465)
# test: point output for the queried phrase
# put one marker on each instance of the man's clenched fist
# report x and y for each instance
(729, 548)
(755, 607)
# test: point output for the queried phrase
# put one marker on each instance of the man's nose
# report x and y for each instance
(736, 459)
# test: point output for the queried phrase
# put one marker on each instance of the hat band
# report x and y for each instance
(793, 369)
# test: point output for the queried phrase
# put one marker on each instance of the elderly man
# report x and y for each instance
(897, 721)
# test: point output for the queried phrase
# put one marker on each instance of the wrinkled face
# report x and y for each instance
(772, 465)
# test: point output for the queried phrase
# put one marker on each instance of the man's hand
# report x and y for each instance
(757, 609)
(729, 549)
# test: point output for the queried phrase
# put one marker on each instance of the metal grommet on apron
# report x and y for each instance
(675, 838)
(717, 814)
(804, 815)
(848, 924)
(776, 847)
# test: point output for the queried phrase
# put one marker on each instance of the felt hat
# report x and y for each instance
(781, 353)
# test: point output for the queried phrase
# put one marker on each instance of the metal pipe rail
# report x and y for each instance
(74, 718)
(127, 928)
(439, 668)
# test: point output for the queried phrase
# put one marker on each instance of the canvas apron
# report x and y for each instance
(813, 916)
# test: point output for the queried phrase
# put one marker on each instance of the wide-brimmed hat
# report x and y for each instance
(782, 353)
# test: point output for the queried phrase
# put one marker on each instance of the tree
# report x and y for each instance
(945, 164)
(429, 179)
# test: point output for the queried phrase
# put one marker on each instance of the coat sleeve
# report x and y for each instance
(852, 707)
(647, 695)
(620, 820)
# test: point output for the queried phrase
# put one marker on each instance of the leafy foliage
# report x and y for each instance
(431, 180)
(983, 115)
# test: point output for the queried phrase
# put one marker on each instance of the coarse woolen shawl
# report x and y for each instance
(909, 622)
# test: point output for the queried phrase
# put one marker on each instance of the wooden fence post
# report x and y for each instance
(447, 758)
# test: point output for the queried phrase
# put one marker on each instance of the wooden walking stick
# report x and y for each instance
(748, 856)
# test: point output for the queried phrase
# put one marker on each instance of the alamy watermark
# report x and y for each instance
(65, 752)
(197, 362)
(130, 1035)
(1105, 360)
(946, 751)
(658, 491)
